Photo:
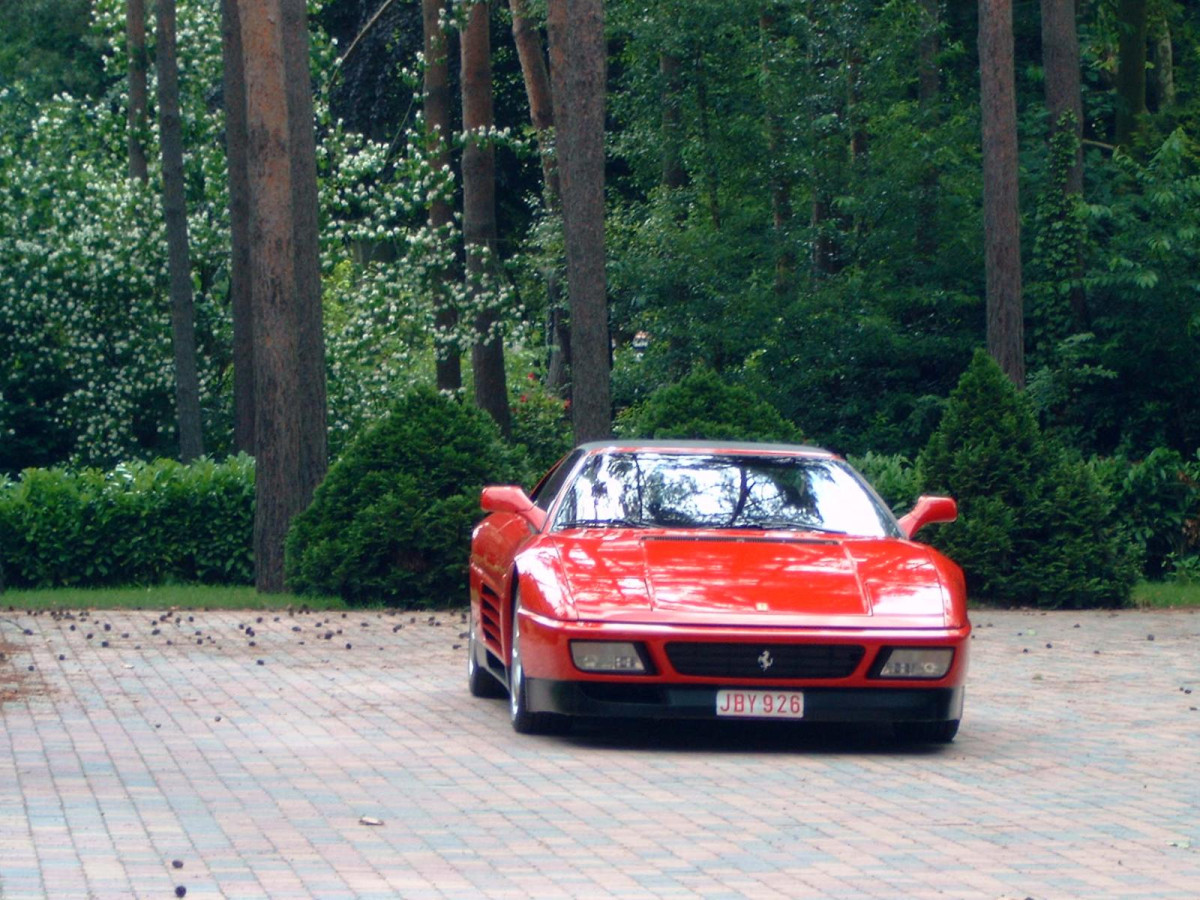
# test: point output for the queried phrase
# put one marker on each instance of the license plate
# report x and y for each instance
(761, 704)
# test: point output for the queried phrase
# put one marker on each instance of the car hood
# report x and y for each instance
(788, 580)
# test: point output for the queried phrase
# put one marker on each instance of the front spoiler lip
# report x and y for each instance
(545, 648)
(689, 701)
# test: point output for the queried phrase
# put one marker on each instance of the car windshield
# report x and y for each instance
(728, 491)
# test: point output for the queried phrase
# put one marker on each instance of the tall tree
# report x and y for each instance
(479, 213)
(285, 458)
(1060, 58)
(1163, 57)
(579, 103)
(1001, 222)
(1132, 26)
(135, 41)
(436, 96)
(1064, 104)
(183, 315)
(312, 401)
(536, 76)
(234, 85)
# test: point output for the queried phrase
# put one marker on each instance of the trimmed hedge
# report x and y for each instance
(140, 523)
(392, 521)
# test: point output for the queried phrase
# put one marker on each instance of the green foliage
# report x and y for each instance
(1036, 526)
(139, 523)
(1143, 295)
(391, 523)
(865, 366)
(541, 424)
(86, 367)
(1060, 231)
(1079, 555)
(1158, 499)
(895, 478)
(45, 49)
(703, 406)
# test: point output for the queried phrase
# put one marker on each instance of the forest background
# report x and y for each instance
(793, 201)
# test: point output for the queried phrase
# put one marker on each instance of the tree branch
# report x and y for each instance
(358, 37)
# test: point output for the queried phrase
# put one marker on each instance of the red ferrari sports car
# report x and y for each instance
(683, 579)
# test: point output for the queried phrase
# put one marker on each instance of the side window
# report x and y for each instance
(545, 490)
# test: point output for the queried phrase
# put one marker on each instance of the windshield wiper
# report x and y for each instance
(602, 523)
(783, 525)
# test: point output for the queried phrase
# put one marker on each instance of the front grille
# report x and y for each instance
(711, 660)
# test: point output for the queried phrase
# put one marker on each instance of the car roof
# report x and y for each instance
(694, 446)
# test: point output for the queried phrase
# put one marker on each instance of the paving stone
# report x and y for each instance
(1074, 775)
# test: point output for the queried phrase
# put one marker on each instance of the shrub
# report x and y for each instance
(391, 523)
(1159, 500)
(1079, 556)
(541, 425)
(1035, 526)
(894, 477)
(140, 523)
(702, 406)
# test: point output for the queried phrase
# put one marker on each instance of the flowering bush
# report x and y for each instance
(86, 366)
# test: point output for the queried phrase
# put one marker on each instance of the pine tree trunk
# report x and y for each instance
(581, 161)
(1001, 224)
(1060, 58)
(285, 457)
(311, 400)
(1064, 104)
(183, 317)
(135, 33)
(541, 113)
(1131, 68)
(479, 214)
(239, 226)
(448, 363)
(538, 91)
(1164, 63)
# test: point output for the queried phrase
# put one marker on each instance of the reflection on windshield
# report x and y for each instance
(662, 490)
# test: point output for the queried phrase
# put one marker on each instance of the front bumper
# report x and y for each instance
(690, 701)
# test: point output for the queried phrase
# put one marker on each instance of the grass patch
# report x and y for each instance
(1166, 594)
(181, 596)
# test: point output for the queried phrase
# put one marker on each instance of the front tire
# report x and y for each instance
(524, 720)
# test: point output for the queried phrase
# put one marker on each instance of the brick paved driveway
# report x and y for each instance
(257, 754)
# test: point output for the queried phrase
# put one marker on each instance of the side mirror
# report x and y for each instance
(509, 498)
(928, 511)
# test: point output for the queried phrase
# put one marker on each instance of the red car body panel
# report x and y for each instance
(656, 586)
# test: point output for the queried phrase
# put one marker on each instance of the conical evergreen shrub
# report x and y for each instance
(392, 521)
(1035, 527)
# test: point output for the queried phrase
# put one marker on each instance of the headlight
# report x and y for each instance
(916, 662)
(608, 656)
